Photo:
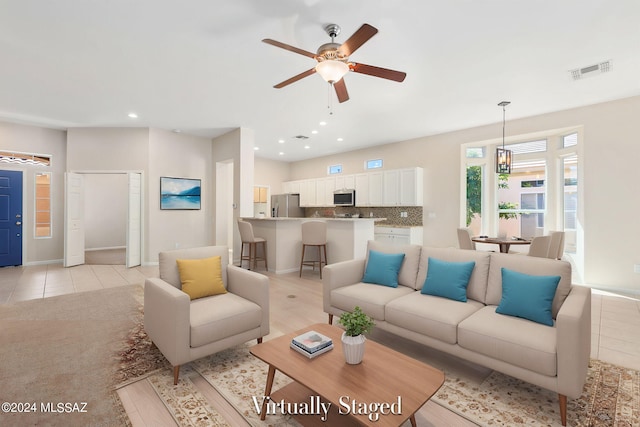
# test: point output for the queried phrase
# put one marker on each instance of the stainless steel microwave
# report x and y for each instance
(344, 197)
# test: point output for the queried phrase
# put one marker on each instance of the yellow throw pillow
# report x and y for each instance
(201, 277)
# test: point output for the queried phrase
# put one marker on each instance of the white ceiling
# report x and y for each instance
(200, 66)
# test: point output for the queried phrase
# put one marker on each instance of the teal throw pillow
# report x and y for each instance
(529, 297)
(383, 269)
(448, 279)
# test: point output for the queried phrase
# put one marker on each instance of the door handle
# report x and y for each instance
(18, 223)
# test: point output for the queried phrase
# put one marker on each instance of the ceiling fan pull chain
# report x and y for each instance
(330, 99)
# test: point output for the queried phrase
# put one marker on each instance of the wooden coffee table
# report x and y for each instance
(384, 376)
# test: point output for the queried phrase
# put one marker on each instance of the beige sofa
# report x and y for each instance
(553, 357)
(185, 330)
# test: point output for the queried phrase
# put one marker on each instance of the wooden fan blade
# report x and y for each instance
(341, 90)
(358, 38)
(295, 78)
(289, 48)
(396, 76)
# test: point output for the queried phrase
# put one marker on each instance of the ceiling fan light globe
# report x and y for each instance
(332, 71)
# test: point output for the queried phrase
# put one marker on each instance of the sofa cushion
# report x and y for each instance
(428, 315)
(371, 298)
(382, 269)
(448, 279)
(513, 340)
(409, 269)
(528, 265)
(201, 277)
(527, 296)
(477, 287)
(221, 316)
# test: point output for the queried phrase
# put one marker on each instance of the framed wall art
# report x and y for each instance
(179, 193)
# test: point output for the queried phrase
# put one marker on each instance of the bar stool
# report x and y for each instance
(314, 233)
(247, 237)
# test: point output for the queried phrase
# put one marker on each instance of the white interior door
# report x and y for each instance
(134, 214)
(73, 220)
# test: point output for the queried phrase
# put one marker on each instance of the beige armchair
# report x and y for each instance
(185, 330)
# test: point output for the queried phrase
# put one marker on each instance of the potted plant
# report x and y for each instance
(356, 324)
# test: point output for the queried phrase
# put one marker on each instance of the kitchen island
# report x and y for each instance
(346, 239)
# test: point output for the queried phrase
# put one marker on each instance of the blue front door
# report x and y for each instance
(10, 218)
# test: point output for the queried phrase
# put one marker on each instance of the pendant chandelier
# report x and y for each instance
(503, 156)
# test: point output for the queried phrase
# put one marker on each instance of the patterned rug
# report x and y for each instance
(611, 395)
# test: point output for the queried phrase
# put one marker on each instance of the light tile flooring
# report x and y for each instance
(615, 318)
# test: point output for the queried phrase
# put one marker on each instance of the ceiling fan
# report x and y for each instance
(333, 60)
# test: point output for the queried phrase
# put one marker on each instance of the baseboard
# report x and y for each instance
(105, 248)
(51, 261)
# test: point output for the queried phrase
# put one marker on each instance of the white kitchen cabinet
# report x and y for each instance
(411, 187)
(291, 187)
(308, 193)
(324, 191)
(395, 187)
(398, 235)
(345, 182)
(362, 189)
(376, 189)
(391, 188)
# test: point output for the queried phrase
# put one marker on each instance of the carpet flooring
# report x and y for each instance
(64, 355)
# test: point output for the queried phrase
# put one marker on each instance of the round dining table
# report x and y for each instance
(503, 242)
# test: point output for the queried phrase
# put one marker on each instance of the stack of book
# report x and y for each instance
(311, 344)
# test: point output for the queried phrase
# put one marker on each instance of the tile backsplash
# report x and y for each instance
(393, 214)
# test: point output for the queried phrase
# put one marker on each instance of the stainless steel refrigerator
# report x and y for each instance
(286, 205)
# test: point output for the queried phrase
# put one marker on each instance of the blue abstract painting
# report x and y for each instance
(179, 193)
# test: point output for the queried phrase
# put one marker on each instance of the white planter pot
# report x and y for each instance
(353, 348)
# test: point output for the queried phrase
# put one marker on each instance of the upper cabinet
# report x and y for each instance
(396, 187)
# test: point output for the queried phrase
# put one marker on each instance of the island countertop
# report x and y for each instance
(314, 219)
(346, 239)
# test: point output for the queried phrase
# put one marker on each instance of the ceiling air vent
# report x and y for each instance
(591, 70)
(301, 137)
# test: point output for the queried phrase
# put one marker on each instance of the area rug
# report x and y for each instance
(63, 356)
(611, 395)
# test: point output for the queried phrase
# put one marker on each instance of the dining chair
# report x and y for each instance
(539, 246)
(464, 239)
(556, 245)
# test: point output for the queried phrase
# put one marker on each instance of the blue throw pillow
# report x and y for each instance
(383, 269)
(448, 279)
(526, 296)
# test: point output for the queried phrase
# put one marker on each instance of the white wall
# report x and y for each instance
(271, 173)
(181, 156)
(236, 147)
(105, 210)
(610, 155)
(21, 138)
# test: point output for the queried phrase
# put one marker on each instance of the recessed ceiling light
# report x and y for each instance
(256, 148)
(281, 141)
(340, 139)
(323, 123)
(281, 153)
(306, 147)
(314, 132)
(177, 131)
(132, 115)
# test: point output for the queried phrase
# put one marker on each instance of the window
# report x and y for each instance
(43, 204)
(474, 198)
(570, 140)
(335, 169)
(25, 158)
(475, 153)
(373, 164)
(539, 146)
